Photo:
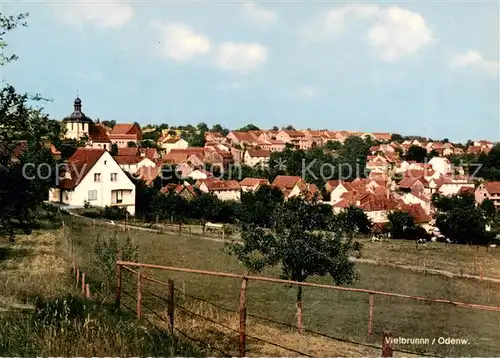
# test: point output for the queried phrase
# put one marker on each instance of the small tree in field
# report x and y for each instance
(300, 247)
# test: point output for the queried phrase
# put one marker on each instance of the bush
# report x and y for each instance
(114, 213)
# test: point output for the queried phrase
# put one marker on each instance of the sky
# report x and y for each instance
(416, 68)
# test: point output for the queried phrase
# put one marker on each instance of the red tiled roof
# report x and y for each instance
(466, 190)
(150, 153)
(407, 182)
(254, 182)
(286, 181)
(98, 133)
(492, 187)
(219, 185)
(189, 151)
(259, 153)
(148, 174)
(243, 136)
(121, 129)
(128, 159)
(128, 151)
(80, 163)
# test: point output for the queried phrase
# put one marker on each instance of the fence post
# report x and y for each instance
(180, 227)
(87, 290)
(190, 234)
(223, 233)
(370, 316)
(387, 345)
(482, 270)
(118, 278)
(77, 276)
(139, 294)
(83, 282)
(170, 304)
(243, 316)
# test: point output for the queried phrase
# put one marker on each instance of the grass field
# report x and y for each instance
(41, 313)
(339, 314)
(458, 259)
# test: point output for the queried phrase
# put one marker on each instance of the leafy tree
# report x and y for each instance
(110, 124)
(289, 128)
(397, 138)
(333, 145)
(131, 144)
(114, 149)
(137, 124)
(23, 135)
(202, 127)
(401, 225)
(218, 128)
(298, 246)
(488, 208)
(353, 220)
(249, 127)
(275, 128)
(416, 153)
(257, 208)
(163, 126)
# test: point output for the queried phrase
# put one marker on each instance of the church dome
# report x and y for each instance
(77, 115)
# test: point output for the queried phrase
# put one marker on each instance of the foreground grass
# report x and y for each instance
(339, 314)
(40, 314)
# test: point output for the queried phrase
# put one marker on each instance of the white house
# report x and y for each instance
(222, 189)
(252, 184)
(94, 176)
(198, 174)
(341, 188)
(253, 157)
(172, 143)
(132, 164)
(441, 165)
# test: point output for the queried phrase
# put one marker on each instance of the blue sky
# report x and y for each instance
(424, 68)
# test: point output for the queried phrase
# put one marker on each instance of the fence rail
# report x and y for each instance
(386, 347)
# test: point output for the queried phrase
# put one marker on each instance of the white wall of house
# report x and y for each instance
(441, 165)
(197, 174)
(337, 193)
(76, 130)
(410, 199)
(180, 144)
(223, 195)
(254, 161)
(103, 192)
(452, 189)
(99, 145)
(378, 216)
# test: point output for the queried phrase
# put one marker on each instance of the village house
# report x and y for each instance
(441, 165)
(150, 153)
(242, 139)
(167, 144)
(132, 163)
(287, 183)
(185, 191)
(223, 189)
(123, 133)
(198, 174)
(451, 185)
(148, 174)
(412, 184)
(488, 190)
(252, 184)
(94, 176)
(128, 151)
(215, 137)
(418, 198)
(254, 157)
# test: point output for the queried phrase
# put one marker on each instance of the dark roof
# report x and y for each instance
(98, 133)
(77, 115)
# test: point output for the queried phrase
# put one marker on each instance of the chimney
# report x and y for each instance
(358, 203)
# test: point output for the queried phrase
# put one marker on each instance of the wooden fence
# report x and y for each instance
(387, 349)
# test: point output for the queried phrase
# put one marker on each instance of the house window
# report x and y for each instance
(71, 126)
(119, 196)
(105, 162)
(105, 148)
(92, 195)
(97, 177)
(114, 176)
(83, 125)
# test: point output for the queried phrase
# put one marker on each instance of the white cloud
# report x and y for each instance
(308, 92)
(474, 59)
(180, 42)
(104, 14)
(258, 16)
(394, 32)
(240, 57)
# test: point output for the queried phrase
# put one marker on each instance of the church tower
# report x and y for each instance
(77, 123)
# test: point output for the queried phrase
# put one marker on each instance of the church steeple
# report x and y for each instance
(77, 104)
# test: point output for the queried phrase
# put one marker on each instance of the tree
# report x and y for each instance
(488, 208)
(110, 124)
(275, 128)
(333, 145)
(397, 138)
(249, 127)
(257, 206)
(353, 220)
(137, 124)
(289, 128)
(401, 225)
(202, 127)
(131, 144)
(27, 168)
(416, 153)
(298, 246)
(114, 149)
(219, 129)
